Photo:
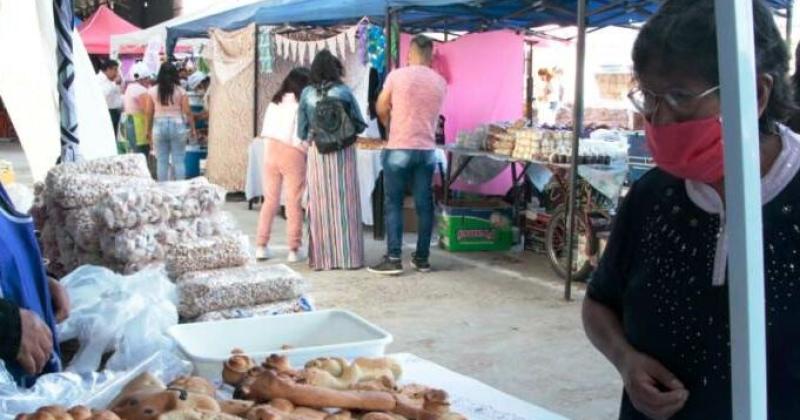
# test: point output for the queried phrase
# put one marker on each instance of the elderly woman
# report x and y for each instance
(657, 307)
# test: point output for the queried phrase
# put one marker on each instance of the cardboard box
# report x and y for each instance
(476, 226)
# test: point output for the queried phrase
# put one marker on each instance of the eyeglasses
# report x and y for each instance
(683, 103)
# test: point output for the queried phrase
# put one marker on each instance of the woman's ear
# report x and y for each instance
(764, 85)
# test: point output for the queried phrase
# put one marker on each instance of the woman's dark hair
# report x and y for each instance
(326, 68)
(295, 82)
(167, 80)
(108, 64)
(683, 36)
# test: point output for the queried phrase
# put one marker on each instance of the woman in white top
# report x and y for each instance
(284, 166)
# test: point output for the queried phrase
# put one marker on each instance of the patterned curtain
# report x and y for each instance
(64, 20)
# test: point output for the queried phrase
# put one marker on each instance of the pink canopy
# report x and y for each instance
(96, 30)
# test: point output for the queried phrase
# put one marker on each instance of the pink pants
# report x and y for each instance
(284, 166)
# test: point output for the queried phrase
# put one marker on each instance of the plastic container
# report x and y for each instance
(192, 162)
(301, 337)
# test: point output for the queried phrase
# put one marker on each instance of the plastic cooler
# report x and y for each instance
(192, 161)
(301, 337)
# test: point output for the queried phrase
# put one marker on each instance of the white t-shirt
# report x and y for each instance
(280, 121)
(111, 91)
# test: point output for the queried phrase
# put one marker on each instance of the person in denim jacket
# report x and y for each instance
(334, 212)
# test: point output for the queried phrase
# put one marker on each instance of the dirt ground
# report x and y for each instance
(500, 318)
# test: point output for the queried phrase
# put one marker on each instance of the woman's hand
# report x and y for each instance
(60, 300)
(653, 390)
(36, 344)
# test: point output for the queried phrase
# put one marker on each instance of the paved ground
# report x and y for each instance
(498, 318)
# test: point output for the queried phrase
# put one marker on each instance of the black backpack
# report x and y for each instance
(332, 129)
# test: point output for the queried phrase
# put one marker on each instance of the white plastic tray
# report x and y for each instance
(309, 335)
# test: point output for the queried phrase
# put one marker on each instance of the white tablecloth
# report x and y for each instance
(473, 399)
(369, 169)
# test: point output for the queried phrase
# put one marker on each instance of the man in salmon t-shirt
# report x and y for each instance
(409, 106)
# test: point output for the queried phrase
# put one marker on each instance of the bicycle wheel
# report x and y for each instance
(556, 246)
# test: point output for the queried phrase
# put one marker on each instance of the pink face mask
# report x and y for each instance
(688, 150)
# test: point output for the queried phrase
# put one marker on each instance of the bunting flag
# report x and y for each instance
(64, 20)
(312, 50)
(279, 46)
(301, 51)
(341, 41)
(352, 37)
(293, 48)
(332, 45)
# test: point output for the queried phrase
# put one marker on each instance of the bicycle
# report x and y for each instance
(592, 223)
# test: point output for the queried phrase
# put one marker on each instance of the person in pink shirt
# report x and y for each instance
(409, 106)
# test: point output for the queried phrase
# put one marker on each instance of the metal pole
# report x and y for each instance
(789, 19)
(388, 39)
(743, 212)
(529, 89)
(576, 136)
(255, 86)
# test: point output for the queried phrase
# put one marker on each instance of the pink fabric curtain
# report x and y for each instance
(485, 83)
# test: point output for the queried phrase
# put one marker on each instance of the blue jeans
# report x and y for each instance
(170, 134)
(399, 168)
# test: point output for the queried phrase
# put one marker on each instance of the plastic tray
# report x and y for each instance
(301, 337)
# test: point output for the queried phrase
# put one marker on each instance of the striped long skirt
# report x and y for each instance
(334, 211)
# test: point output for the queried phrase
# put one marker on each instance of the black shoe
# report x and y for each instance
(419, 264)
(388, 267)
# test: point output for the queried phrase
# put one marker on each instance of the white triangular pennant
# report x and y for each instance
(321, 45)
(312, 50)
(341, 41)
(293, 52)
(332, 46)
(352, 35)
(301, 51)
(279, 46)
(286, 49)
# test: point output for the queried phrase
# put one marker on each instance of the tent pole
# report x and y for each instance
(388, 39)
(744, 223)
(789, 18)
(576, 136)
(255, 87)
(529, 88)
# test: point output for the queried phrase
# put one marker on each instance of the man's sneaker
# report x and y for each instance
(388, 267)
(419, 264)
(296, 256)
(263, 253)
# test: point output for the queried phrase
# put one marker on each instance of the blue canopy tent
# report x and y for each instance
(421, 15)
(736, 46)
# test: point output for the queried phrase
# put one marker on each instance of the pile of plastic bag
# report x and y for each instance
(126, 315)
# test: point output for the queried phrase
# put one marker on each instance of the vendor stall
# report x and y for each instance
(99, 27)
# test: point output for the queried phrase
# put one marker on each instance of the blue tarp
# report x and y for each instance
(453, 15)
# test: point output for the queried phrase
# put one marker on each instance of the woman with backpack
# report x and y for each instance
(330, 118)
(284, 166)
